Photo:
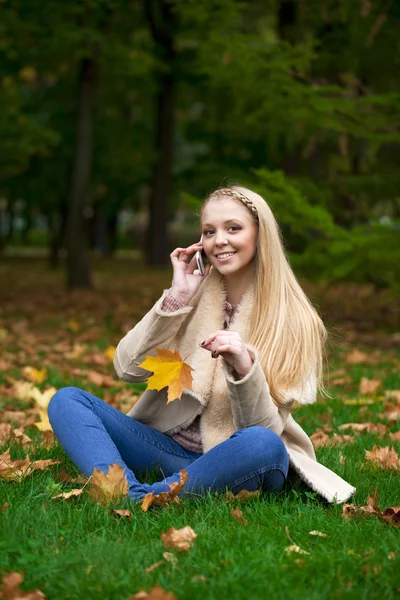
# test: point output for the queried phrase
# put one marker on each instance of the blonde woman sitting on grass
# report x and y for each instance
(260, 346)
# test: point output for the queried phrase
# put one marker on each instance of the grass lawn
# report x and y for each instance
(76, 549)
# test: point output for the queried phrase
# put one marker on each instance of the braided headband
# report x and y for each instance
(238, 196)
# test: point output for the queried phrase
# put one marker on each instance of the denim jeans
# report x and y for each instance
(94, 434)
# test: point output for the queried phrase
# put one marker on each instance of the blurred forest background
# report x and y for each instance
(117, 117)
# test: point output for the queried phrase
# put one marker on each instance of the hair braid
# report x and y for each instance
(238, 196)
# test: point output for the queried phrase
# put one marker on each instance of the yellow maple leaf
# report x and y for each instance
(35, 375)
(42, 399)
(169, 370)
(109, 352)
(108, 486)
(44, 423)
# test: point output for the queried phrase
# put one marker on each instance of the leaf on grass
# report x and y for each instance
(384, 457)
(109, 353)
(63, 476)
(67, 495)
(44, 423)
(156, 593)
(378, 428)
(295, 548)
(166, 498)
(10, 588)
(8, 433)
(35, 375)
(170, 371)
(242, 495)
(154, 567)
(4, 507)
(121, 514)
(42, 399)
(357, 358)
(14, 470)
(16, 416)
(393, 395)
(237, 514)
(100, 379)
(320, 438)
(179, 539)
(369, 386)
(359, 401)
(170, 557)
(390, 515)
(108, 486)
(319, 533)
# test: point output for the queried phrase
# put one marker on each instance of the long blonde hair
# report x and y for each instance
(285, 327)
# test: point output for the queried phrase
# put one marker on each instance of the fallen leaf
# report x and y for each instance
(156, 593)
(124, 514)
(109, 352)
(11, 470)
(106, 487)
(378, 428)
(169, 370)
(393, 395)
(242, 495)
(44, 423)
(100, 379)
(199, 579)
(179, 539)
(390, 515)
(359, 401)
(35, 375)
(63, 476)
(237, 514)
(357, 358)
(384, 457)
(170, 557)
(8, 433)
(42, 399)
(395, 436)
(319, 438)
(342, 459)
(369, 386)
(154, 567)
(4, 507)
(10, 588)
(295, 548)
(67, 495)
(319, 533)
(165, 498)
(16, 416)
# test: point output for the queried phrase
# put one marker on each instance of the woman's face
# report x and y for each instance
(229, 236)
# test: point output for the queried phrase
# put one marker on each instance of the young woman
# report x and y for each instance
(258, 348)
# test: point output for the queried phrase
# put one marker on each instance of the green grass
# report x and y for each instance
(76, 549)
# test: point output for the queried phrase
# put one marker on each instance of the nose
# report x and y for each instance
(220, 239)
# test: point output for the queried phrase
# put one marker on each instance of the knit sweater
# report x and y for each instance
(190, 437)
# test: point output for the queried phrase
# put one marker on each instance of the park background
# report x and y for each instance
(117, 118)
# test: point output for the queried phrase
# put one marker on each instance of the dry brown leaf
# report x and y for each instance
(320, 438)
(179, 539)
(369, 386)
(8, 433)
(166, 498)
(16, 416)
(359, 401)
(44, 423)
(4, 507)
(169, 370)
(170, 557)
(319, 533)
(100, 379)
(63, 476)
(237, 514)
(156, 593)
(356, 357)
(121, 514)
(392, 395)
(378, 428)
(106, 487)
(10, 588)
(342, 459)
(392, 412)
(390, 515)
(154, 566)
(242, 495)
(384, 457)
(395, 436)
(67, 495)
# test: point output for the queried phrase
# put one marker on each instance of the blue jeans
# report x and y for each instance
(94, 434)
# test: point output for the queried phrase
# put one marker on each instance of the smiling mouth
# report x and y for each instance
(225, 256)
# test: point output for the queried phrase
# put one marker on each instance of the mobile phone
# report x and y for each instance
(200, 259)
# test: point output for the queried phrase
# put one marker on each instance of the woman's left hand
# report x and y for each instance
(230, 346)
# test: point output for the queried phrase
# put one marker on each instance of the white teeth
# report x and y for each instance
(225, 255)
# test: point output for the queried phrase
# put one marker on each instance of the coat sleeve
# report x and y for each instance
(157, 328)
(251, 401)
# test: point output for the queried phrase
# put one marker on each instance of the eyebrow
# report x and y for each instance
(225, 222)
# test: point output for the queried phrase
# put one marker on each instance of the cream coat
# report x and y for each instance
(226, 404)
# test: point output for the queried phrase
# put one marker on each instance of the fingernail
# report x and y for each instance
(203, 342)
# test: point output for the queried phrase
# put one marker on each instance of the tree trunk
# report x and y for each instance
(78, 263)
(162, 24)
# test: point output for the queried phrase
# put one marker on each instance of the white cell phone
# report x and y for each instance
(200, 257)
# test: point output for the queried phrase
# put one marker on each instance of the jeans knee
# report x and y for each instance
(265, 442)
(63, 399)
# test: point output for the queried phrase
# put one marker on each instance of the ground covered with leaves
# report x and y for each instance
(56, 545)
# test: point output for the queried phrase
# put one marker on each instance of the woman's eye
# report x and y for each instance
(210, 231)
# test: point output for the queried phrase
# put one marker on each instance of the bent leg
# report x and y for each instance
(252, 458)
(94, 434)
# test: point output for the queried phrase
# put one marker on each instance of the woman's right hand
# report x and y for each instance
(185, 282)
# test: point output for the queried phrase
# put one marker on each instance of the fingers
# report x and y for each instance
(186, 251)
(223, 333)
